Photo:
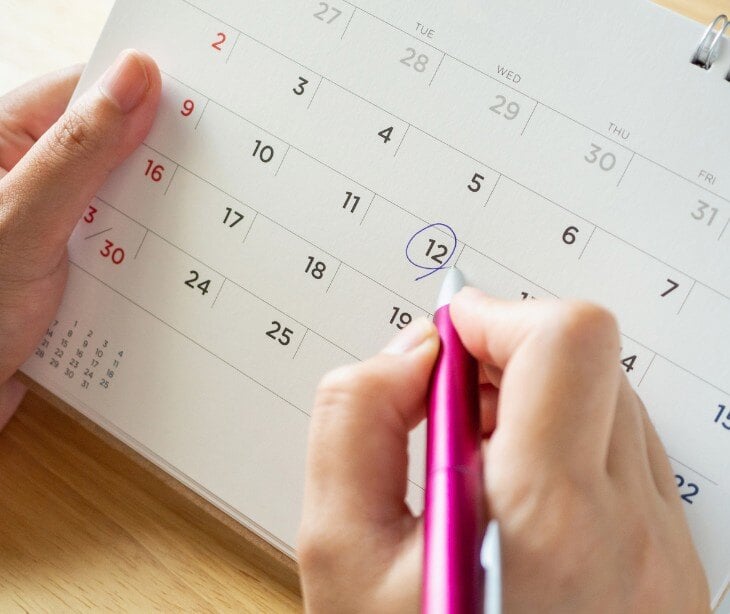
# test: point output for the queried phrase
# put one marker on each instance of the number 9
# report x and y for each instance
(188, 108)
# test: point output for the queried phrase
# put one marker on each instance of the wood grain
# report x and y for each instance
(82, 525)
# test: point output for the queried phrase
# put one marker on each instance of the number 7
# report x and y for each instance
(674, 286)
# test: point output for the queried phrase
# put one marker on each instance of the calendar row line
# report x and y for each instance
(420, 64)
(247, 331)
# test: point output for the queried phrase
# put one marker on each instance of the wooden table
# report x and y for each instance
(83, 527)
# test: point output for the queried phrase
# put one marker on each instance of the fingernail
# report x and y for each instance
(126, 82)
(411, 337)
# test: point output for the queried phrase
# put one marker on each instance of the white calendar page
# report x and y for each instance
(313, 167)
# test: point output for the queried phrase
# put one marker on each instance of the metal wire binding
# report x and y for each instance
(709, 47)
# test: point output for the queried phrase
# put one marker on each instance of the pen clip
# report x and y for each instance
(491, 558)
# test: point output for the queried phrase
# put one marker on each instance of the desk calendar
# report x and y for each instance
(315, 166)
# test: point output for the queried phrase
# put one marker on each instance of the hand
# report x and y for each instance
(57, 162)
(575, 473)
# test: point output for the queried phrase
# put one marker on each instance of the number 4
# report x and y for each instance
(386, 135)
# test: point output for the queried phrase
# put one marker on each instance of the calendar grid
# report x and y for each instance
(553, 202)
(479, 71)
(375, 194)
(245, 241)
(465, 245)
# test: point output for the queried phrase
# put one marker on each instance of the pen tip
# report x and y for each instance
(453, 282)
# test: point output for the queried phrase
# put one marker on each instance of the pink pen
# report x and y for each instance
(453, 576)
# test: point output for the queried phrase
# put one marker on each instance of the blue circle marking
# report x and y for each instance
(445, 228)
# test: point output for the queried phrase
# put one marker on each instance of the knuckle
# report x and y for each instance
(73, 136)
(587, 323)
(315, 552)
(346, 383)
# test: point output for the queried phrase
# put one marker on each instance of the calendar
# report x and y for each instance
(314, 168)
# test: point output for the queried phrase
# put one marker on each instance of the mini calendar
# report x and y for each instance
(314, 168)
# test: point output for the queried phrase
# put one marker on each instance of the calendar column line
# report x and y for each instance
(626, 170)
(372, 200)
(144, 238)
(235, 44)
(686, 298)
(332, 281)
(494, 189)
(301, 342)
(435, 72)
(405, 134)
(169, 183)
(217, 296)
(651, 362)
(722, 232)
(205, 107)
(316, 91)
(286, 153)
(585, 247)
(349, 21)
(529, 119)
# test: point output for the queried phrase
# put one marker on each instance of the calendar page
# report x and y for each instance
(314, 168)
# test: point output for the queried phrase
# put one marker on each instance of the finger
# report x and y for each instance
(358, 443)
(488, 400)
(559, 384)
(11, 394)
(58, 177)
(27, 112)
(628, 456)
(661, 468)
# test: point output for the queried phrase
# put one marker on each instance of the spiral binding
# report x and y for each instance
(709, 47)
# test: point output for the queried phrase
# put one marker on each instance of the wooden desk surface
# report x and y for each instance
(82, 527)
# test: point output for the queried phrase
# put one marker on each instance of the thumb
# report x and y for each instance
(43, 197)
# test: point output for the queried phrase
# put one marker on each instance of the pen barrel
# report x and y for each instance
(453, 580)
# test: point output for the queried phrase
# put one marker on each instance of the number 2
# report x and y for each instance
(218, 44)
(436, 251)
(693, 489)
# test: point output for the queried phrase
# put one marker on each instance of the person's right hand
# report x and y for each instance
(575, 472)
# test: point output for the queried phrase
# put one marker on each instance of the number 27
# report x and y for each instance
(326, 9)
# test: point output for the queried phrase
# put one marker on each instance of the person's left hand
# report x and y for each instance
(57, 161)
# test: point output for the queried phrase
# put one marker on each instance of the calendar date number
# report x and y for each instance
(279, 333)
(687, 490)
